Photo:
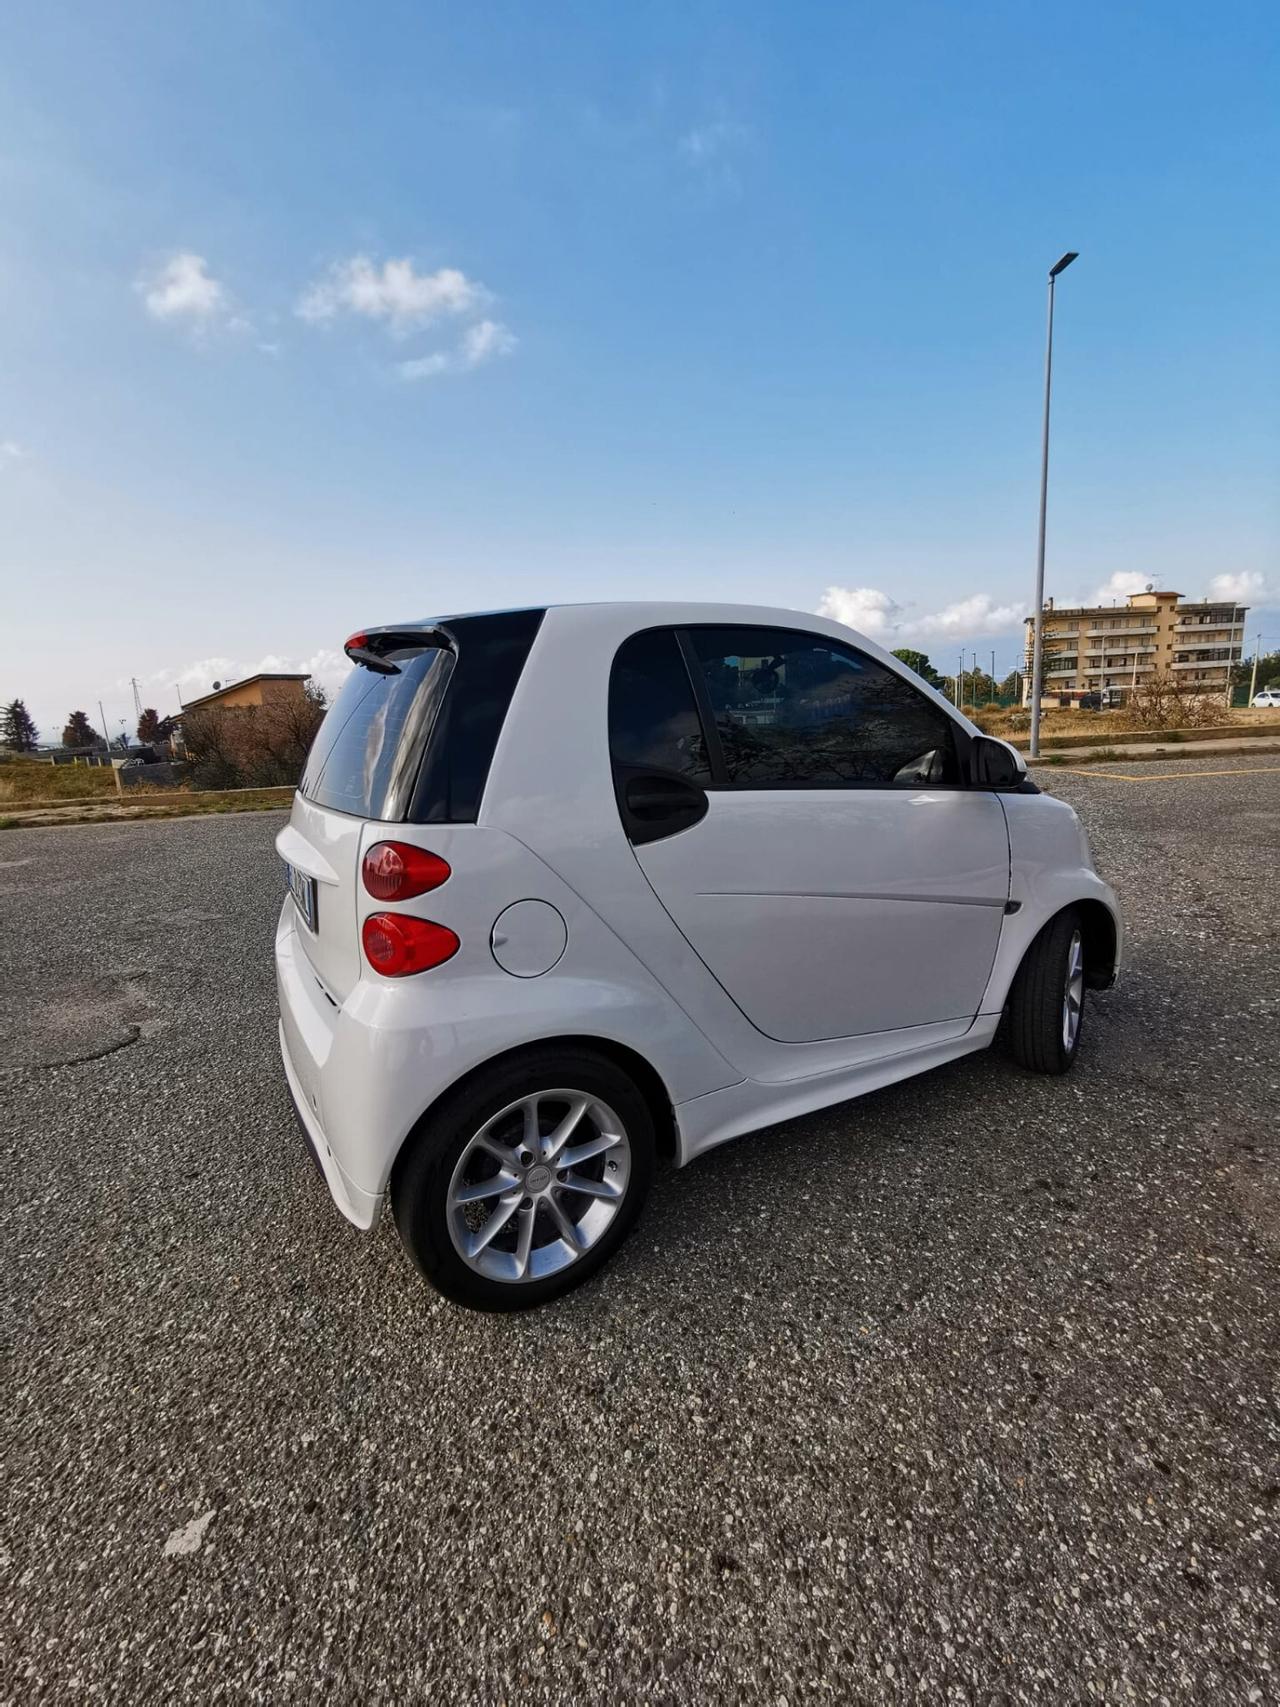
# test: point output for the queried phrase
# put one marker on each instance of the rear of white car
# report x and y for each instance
(391, 770)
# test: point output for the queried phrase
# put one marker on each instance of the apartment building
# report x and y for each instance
(1091, 648)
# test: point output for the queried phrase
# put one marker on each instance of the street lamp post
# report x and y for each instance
(1037, 653)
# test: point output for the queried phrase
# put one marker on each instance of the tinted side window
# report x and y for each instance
(492, 652)
(653, 720)
(796, 709)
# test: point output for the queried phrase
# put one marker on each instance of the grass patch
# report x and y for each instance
(25, 781)
(160, 803)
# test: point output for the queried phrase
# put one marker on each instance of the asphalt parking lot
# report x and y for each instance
(967, 1391)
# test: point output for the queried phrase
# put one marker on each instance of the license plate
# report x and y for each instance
(303, 890)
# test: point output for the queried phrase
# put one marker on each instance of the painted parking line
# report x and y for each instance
(1167, 776)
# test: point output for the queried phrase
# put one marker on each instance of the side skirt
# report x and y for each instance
(705, 1121)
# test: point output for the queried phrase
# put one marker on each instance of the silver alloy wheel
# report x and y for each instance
(1073, 993)
(538, 1185)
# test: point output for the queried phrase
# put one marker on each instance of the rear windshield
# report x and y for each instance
(365, 759)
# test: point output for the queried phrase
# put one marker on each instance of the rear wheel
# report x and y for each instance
(1046, 1004)
(521, 1185)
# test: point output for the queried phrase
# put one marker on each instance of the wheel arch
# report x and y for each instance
(647, 1079)
(1098, 928)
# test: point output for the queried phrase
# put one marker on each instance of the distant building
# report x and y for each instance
(1095, 648)
(266, 688)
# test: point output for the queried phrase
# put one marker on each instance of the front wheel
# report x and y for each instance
(520, 1186)
(1046, 1003)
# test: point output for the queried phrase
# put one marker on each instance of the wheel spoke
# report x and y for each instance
(556, 1141)
(592, 1187)
(524, 1241)
(530, 1138)
(476, 1190)
(505, 1154)
(567, 1225)
(579, 1153)
(494, 1225)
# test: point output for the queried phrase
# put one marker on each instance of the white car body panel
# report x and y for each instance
(866, 881)
(822, 920)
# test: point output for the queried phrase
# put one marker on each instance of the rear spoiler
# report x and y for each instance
(371, 645)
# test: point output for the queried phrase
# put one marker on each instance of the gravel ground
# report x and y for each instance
(963, 1392)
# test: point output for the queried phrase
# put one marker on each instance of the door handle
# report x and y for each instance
(657, 803)
(657, 796)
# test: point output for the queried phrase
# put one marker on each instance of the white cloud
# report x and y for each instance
(427, 367)
(865, 608)
(484, 340)
(183, 291)
(711, 151)
(978, 614)
(1243, 587)
(480, 343)
(393, 293)
(883, 618)
(710, 142)
(10, 451)
(1119, 586)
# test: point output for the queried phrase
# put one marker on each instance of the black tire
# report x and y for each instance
(1034, 1015)
(421, 1180)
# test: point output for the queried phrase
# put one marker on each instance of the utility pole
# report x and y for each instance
(1231, 646)
(103, 716)
(1037, 655)
(1253, 674)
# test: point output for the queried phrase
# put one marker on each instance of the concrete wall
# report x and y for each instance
(163, 774)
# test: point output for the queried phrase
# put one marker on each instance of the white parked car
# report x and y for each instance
(572, 888)
(1269, 697)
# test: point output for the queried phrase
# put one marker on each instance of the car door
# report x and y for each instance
(801, 812)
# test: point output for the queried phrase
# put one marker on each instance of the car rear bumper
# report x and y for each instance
(308, 1032)
(362, 1208)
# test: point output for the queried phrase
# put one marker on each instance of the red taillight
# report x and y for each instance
(397, 871)
(397, 944)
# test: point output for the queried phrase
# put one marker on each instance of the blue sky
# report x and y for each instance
(320, 315)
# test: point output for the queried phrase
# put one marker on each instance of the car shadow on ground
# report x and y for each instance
(856, 1178)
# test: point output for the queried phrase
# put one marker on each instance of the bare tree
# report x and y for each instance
(1165, 703)
(253, 746)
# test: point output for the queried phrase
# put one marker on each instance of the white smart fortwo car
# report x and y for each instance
(571, 888)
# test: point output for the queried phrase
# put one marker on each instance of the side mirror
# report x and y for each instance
(995, 764)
